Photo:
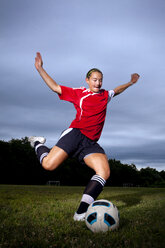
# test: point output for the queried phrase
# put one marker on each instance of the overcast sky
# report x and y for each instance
(119, 37)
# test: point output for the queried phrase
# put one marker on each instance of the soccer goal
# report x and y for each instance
(55, 183)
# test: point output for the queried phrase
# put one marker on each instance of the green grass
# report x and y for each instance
(42, 216)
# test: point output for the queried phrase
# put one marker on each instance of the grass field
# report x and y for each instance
(42, 216)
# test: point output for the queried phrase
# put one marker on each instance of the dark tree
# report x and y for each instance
(19, 165)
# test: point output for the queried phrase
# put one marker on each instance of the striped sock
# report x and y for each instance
(91, 192)
(41, 151)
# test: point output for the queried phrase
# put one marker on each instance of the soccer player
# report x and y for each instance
(80, 139)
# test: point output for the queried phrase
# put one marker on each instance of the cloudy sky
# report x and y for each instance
(119, 37)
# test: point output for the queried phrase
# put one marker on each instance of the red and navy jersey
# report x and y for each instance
(91, 109)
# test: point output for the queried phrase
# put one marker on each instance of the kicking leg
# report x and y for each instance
(99, 163)
(50, 159)
(54, 158)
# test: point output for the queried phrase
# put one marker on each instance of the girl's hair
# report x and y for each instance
(93, 70)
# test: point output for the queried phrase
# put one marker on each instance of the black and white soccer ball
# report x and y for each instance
(102, 216)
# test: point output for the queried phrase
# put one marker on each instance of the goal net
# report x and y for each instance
(55, 183)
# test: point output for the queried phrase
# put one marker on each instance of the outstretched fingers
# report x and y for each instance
(38, 61)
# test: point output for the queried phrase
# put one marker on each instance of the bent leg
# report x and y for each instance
(54, 158)
(50, 159)
(99, 163)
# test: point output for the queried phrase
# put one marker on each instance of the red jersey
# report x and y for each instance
(91, 109)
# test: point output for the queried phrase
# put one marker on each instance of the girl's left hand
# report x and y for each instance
(134, 78)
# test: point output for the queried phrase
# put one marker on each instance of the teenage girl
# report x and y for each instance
(80, 139)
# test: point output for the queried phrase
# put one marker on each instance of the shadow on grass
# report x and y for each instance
(145, 212)
(132, 198)
(129, 200)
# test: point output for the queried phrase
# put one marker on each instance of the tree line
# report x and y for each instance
(19, 165)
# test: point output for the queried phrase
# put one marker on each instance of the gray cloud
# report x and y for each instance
(118, 37)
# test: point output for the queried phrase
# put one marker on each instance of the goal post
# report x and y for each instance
(55, 183)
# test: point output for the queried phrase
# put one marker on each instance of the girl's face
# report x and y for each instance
(95, 82)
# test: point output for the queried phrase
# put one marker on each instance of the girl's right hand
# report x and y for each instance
(38, 61)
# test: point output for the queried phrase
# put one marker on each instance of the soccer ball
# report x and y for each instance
(102, 216)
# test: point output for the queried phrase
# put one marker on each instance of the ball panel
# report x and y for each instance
(92, 218)
(101, 203)
(109, 220)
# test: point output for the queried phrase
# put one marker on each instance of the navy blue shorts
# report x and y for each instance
(76, 144)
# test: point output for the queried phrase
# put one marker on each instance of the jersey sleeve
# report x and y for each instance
(68, 94)
(111, 94)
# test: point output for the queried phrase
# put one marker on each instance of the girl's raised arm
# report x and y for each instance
(134, 78)
(48, 80)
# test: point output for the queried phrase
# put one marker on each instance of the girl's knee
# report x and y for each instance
(104, 172)
(108, 174)
(54, 158)
(47, 164)
(99, 163)
(105, 169)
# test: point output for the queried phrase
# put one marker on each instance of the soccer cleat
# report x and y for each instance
(79, 217)
(33, 139)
